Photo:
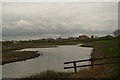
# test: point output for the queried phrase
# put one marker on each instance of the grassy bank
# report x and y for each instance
(10, 57)
(103, 48)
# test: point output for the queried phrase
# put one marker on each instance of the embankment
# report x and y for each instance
(101, 49)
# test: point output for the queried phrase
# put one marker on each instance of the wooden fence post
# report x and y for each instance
(75, 68)
(91, 62)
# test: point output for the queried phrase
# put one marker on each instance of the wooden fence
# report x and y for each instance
(91, 60)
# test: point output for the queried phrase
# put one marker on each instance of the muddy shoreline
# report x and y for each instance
(25, 55)
(11, 56)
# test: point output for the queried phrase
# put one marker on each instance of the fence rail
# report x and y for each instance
(91, 59)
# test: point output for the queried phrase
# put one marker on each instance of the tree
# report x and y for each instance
(117, 33)
(92, 36)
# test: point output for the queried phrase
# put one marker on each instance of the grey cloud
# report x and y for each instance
(63, 19)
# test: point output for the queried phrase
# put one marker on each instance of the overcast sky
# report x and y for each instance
(38, 20)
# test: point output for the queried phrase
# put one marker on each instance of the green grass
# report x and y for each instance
(103, 48)
(109, 47)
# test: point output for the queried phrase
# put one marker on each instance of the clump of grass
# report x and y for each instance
(48, 74)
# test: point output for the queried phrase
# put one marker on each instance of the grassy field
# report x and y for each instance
(102, 48)
(109, 47)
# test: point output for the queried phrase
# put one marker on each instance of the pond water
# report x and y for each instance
(51, 59)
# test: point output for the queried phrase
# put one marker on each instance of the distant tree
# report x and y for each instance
(92, 36)
(117, 33)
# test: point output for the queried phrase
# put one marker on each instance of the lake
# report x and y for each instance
(51, 59)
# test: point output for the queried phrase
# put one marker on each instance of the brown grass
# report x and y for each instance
(18, 56)
(95, 72)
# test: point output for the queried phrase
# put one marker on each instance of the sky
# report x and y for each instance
(32, 20)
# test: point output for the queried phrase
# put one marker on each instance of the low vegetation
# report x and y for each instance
(48, 74)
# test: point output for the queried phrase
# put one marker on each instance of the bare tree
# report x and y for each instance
(117, 33)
